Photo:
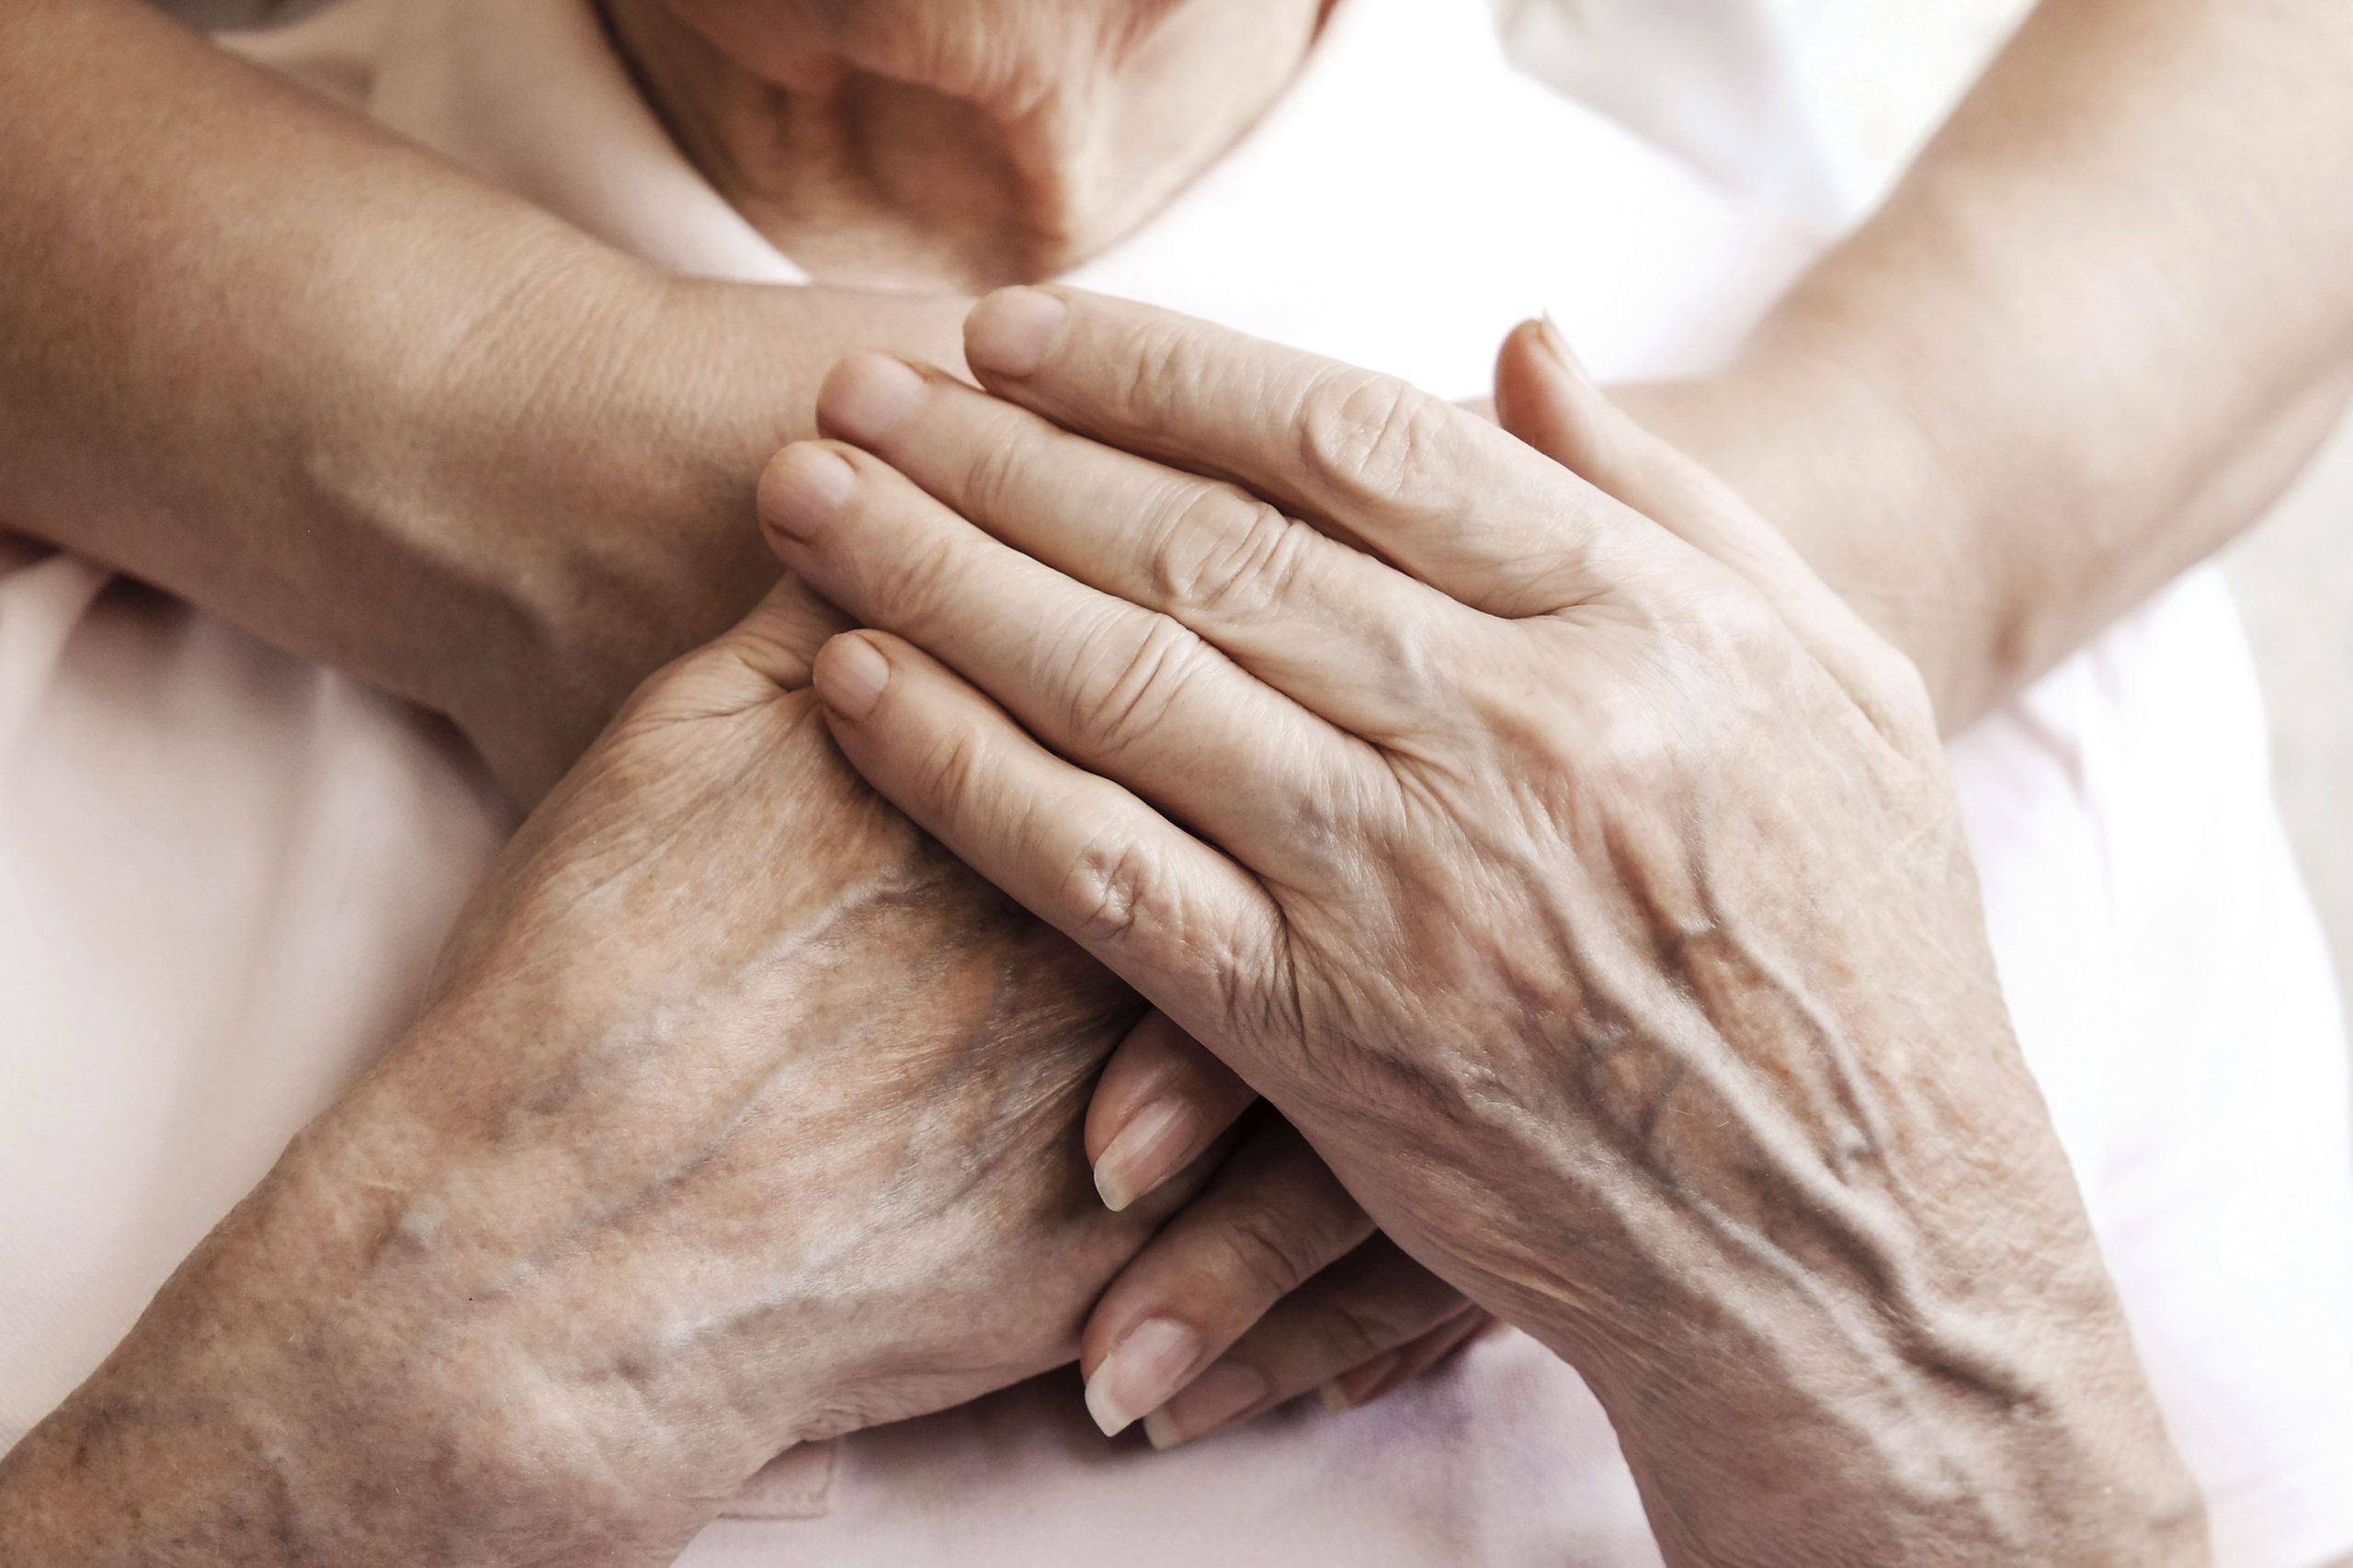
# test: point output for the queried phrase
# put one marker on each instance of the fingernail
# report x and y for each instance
(1010, 331)
(866, 397)
(803, 487)
(1358, 1384)
(1556, 342)
(1148, 1150)
(1141, 1372)
(1218, 1395)
(849, 676)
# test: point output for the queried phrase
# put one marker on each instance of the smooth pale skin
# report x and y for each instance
(342, 395)
(1593, 900)
(677, 1169)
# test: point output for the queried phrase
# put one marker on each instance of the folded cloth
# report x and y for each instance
(222, 872)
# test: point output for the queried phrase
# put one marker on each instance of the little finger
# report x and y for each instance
(1384, 1374)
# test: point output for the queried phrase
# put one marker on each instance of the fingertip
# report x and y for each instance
(1151, 1362)
(802, 488)
(1544, 396)
(850, 674)
(1360, 1386)
(1554, 344)
(866, 396)
(1157, 1142)
(1010, 333)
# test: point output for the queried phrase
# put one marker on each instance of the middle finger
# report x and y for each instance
(1121, 690)
(1342, 632)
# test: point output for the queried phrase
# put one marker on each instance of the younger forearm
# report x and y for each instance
(211, 288)
(265, 356)
(2099, 327)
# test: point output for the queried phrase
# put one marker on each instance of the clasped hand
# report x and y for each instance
(1582, 894)
(1590, 898)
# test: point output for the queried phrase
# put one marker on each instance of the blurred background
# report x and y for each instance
(1855, 86)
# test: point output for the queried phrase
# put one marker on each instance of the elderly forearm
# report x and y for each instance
(319, 382)
(2101, 323)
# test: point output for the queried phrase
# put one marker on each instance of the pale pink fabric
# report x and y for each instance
(223, 872)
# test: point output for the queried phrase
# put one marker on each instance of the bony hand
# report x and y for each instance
(741, 1115)
(1595, 905)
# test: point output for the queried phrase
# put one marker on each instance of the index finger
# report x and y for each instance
(1441, 492)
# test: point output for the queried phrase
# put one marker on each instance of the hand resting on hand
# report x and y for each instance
(1591, 899)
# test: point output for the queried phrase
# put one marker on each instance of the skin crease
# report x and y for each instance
(643, 1200)
(1597, 905)
(576, 331)
(332, 537)
(905, 144)
(994, 141)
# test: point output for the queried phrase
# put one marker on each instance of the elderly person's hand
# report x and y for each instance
(1270, 1283)
(1594, 903)
(741, 1115)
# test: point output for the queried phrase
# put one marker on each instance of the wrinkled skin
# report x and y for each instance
(957, 143)
(1593, 900)
(741, 1115)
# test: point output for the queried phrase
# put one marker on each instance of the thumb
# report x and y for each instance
(1544, 396)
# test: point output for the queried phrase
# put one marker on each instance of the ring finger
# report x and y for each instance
(1120, 688)
(1340, 632)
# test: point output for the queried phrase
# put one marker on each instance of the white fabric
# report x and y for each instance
(222, 872)
(1814, 106)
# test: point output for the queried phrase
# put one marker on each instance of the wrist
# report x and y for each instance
(1933, 1368)
(1806, 428)
(1790, 1448)
(594, 461)
(551, 493)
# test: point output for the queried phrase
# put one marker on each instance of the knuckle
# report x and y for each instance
(1357, 1329)
(911, 584)
(1894, 689)
(1368, 434)
(1717, 650)
(1159, 368)
(1002, 468)
(1730, 627)
(947, 776)
(1140, 682)
(1109, 889)
(1226, 553)
(1273, 1249)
